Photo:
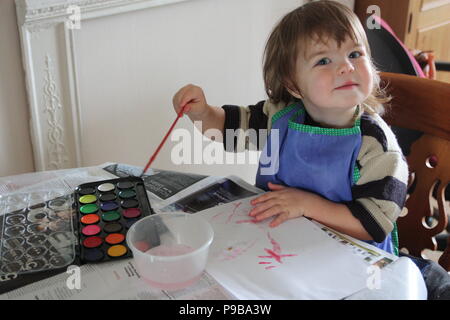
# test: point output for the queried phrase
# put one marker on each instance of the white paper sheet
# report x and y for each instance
(295, 260)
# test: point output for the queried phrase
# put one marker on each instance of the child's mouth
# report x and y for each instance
(347, 86)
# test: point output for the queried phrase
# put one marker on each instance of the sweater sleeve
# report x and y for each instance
(380, 192)
(246, 127)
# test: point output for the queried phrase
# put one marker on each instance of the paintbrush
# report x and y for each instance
(152, 158)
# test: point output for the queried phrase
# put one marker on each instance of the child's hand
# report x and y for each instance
(282, 203)
(194, 98)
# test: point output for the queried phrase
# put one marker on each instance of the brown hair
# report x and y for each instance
(315, 20)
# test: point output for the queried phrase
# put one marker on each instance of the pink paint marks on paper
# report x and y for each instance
(236, 206)
(234, 251)
(275, 253)
(232, 215)
(217, 215)
(247, 221)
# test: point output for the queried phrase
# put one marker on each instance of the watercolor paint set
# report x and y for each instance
(37, 235)
(106, 210)
(49, 230)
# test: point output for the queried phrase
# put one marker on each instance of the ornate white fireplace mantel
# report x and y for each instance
(47, 30)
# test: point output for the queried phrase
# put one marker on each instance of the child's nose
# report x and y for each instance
(346, 67)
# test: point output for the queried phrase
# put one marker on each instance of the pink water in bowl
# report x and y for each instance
(169, 251)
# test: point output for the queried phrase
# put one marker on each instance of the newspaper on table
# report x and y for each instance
(170, 191)
(116, 280)
(61, 180)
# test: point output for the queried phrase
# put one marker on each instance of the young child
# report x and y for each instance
(338, 161)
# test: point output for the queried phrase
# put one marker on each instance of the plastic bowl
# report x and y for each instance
(170, 249)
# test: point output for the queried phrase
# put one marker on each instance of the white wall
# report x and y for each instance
(15, 146)
(130, 65)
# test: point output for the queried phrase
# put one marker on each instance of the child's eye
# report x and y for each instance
(323, 61)
(355, 54)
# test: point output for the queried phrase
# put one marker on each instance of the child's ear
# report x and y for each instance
(294, 91)
(292, 88)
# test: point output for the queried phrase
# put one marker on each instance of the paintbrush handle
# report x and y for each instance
(153, 157)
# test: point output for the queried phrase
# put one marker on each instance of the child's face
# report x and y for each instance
(333, 77)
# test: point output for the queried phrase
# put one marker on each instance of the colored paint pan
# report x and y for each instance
(86, 191)
(112, 227)
(89, 208)
(106, 187)
(127, 194)
(129, 203)
(88, 199)
(125, 185)
(115, 238)
(93, 255)
(91, 230)
(132, 213)
(92, 242)
(108, 206)
(105, 197)
(90, 219)
(110, 216)
(117, 251)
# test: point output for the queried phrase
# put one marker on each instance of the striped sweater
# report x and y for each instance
(380, 192)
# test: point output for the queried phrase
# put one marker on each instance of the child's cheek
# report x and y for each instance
(321, 86)
(366, 75)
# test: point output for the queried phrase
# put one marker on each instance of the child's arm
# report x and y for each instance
(256, 117)
(240, 120)
(342, 219)
(285, 203)
(199, 110)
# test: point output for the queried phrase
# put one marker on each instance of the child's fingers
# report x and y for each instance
(186, 95)
(275, 210)
(185, 100)
(266, 196)
(274, 186)
(279, 220)
(187, 108)
(262, 207)
(194, 99)
(269, 195)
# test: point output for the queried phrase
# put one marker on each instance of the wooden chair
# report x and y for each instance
(423, 105)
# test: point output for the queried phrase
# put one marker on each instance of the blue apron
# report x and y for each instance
(315, 159)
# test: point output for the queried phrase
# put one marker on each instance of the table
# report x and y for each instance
(399, 280)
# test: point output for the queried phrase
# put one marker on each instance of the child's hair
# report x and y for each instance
(315, 20)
